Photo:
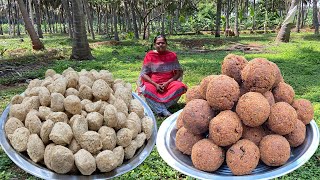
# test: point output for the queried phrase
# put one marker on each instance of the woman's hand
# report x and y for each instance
(159, 87)
(164, 85)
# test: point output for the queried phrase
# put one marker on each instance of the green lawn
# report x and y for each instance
(299, 62)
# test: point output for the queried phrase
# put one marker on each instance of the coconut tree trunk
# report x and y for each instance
(254, 16)
(36, 43)
(236, 23)
(218, 18)
(315, 17)
(38, 18)
(298, 18)
(65, 4)
(115, 22)
(31, 11)
(90, 21)
(284, 33)
(227, 15)
(128, 20)
(162, 20)
(9, 17)
(80, 47)
(134, 20)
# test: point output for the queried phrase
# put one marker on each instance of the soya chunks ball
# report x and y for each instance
(107, 161)
(193, 93)
(207, 156)
(222, 93)
(108, 137)
(85, 162)
(185, 140)
(17, 99)
(35, 148)
(204, 85)
(197, 114)
(232, 66)
(258, 75)
(101, 90)
(61, 133)
(57, 102)
(304, 110)
(283, 93)
(124, 137)
(18, 111)
(225, 129)
(12, 124)
(243, 157)
(297, 136)
(61, 159)
(274, 150)
(253, 109)
(72, 104)
(19, 139)
(91, 141)
(282, 119)
(95, 121)
(74, 146)
(45, 130)
(136, 106)
(147, 126)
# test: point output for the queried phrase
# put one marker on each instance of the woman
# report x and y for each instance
(159, 78)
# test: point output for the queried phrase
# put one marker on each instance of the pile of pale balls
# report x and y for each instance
(246, 114)
(78, 121)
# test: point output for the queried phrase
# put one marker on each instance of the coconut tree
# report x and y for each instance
(218, 18)
(284, 33)
(36, 43)
(315, 17)
(80, 47)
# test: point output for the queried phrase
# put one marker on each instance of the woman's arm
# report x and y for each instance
(177, 75)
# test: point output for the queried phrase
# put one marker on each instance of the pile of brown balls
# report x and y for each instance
(78, 121)
(246, 114)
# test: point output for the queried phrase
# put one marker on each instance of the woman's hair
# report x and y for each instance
(160, 36)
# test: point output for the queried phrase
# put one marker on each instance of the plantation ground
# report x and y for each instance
(299, 62)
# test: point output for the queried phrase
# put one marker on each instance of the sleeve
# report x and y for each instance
(146, 65)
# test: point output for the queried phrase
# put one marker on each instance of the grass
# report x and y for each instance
(298, 61)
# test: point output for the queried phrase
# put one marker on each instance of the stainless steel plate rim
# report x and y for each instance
(42, 172)
(165, 149)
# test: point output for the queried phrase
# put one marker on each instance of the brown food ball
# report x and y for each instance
(95, 121)
(253, 109)
(193, 93)
(124, 137)
(185, 140)
(304, 110)
(282, 119)
(225, 129)
(197, 115)
(147, 126)
(204, 84)
(243, 157)
(283, 93)
(107, 161)
(74, 146)
(46, 130)
(18, 111)
(222, 93)
(269, 96)
(57, 102)
(258, 75)
(254, 134)
(101, 90)
(297, 136)
(232, 66)
(207, 156)
(179, 122)
(278, 75)
(136, 106)
(274, 150)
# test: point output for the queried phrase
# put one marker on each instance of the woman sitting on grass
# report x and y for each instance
(160, 78)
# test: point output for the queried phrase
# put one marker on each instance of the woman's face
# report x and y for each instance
(161, 45)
